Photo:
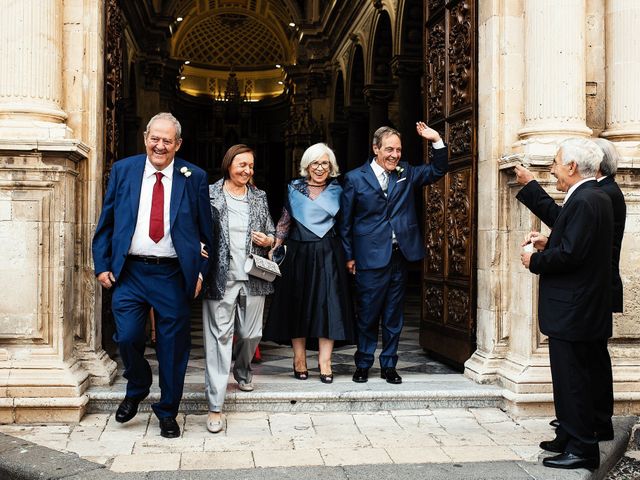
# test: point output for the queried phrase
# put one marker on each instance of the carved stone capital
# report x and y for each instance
(405, 66)
(379, 93)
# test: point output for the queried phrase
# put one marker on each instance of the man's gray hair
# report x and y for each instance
(313, 153)
(585, 153)
(609, 164)
(383, 132)
(166, 116)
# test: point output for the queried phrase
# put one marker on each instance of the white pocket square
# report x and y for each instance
(401, 179)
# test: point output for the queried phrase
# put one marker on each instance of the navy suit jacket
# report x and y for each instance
(368, 216)
(574, 301)
(190, 218)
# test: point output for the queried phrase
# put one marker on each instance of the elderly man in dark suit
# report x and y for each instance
(547, 208)
(155, 221)
(574, 305)
(380, 233)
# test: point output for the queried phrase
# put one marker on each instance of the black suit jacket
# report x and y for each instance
(547, 210)
(574, 301)
(611, 188)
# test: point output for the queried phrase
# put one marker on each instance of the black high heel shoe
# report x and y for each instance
(328, 378)
(300, 375)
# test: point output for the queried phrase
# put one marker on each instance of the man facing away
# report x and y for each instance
(380, 234)
(574, 301)
(147, 248)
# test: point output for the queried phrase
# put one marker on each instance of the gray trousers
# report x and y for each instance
(238, 310)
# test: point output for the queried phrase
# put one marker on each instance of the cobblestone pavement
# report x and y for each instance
(628, 468)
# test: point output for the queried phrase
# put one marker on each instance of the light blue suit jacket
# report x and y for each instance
(369, 217)
(190, 218)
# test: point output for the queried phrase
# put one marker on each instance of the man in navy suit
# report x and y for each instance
(155, 221)
(380, 234)
(574, 301)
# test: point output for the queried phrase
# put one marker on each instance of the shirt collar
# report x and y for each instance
(150, 170)
(377, 169)
(601, 178)
(576, 185)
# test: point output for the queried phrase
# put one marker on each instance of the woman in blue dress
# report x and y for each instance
(311, 308)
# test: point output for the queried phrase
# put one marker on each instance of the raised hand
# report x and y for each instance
(427, 132)
(523, 176)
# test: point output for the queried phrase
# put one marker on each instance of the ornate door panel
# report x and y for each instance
(448, 322)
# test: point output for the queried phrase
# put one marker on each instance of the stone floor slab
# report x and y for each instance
(289, 458)
(146, 463)
(216, 461)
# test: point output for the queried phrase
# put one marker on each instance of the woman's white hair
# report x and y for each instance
(584, 152)
(313, 153)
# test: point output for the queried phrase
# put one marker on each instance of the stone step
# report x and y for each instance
(418, 391)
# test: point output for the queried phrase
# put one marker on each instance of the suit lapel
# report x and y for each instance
(177, 190)
(393, 179)
(135, 185)
(370, 177)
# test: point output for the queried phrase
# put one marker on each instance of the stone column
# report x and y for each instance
(48, 352)
(555, 74)
(358, 140)
(31, 70)
(408, 71)
(378, 98)
(623, 70)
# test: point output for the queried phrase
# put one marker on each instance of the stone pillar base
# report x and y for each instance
(43, 393)
(102, 369)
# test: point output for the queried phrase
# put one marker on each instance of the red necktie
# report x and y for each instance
(156, 222)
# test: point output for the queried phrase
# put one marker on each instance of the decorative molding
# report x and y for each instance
(434, 229)
(436, 71)
(460, 137)
(459, 223)
(433, 305)
(113, 83)
(458, 304)
(460, 55)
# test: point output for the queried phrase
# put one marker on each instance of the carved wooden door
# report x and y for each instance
(448, 322)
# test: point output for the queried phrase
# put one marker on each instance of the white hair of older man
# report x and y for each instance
(313, 153)
(166, 116)
(584, 152)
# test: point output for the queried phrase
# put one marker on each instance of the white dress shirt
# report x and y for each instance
(141, 243)
(573, 188)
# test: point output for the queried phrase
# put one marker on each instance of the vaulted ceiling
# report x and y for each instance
(249, 37)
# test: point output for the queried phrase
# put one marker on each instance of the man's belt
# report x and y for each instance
(151, 260)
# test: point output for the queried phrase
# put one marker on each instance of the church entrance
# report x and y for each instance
(281, 75)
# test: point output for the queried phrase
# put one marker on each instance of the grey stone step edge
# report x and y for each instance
(315, 401)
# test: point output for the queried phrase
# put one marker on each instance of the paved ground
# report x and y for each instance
(436, 425)
(473, 443)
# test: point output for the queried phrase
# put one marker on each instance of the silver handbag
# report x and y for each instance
(261, 268)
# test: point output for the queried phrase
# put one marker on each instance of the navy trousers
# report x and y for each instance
(140, 287)
(380, 301)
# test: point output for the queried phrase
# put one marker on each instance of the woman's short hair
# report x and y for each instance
(166, 116)
(609, 164)
(584, 152)
(313, 153)
(232, 153)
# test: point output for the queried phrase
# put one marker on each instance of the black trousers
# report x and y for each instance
(582, 392)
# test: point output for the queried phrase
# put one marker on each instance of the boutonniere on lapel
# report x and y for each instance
(399, 171)
(185, 171)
